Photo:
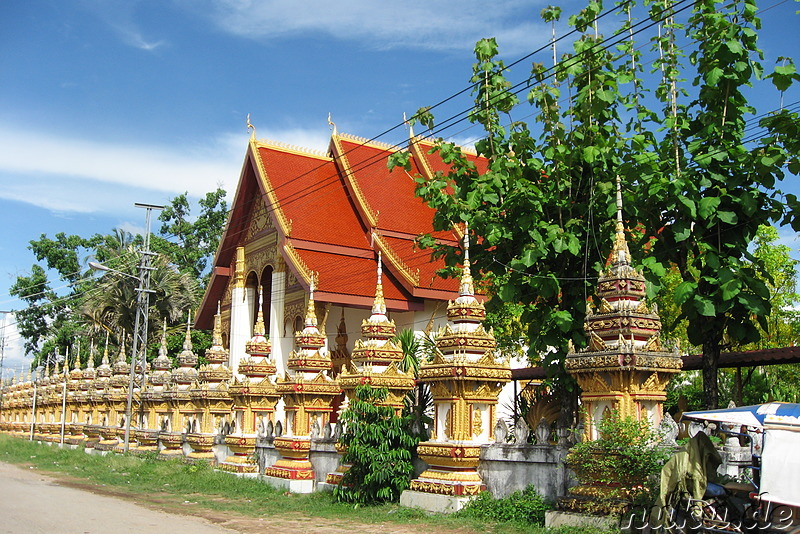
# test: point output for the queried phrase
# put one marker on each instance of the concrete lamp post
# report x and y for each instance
(142, 312)
(134, 349)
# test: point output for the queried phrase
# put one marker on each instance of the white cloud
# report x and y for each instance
(62, 173)
(119, 15)
(171, 169)
(443, 25)
(133, 38)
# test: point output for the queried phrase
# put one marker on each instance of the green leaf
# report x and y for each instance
(728, 217)
(690, 205)
(712, 77)
(684, 292)
(708, 205)
(730, 289)
(704, 307)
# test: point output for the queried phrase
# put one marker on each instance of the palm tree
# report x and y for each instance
(111, 305)
(419, 401)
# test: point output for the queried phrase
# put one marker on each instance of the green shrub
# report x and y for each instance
(526, 506)
(378, 447)
(627, 458)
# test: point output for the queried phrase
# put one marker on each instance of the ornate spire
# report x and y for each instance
(379, 305)
(620, 254)
(187, 355)
(466, 308)
(467, 288)
(307, 356)
(90, 359)
(216, 335)
(105, 360)
(311, 310)
(258, 345)
(259, 329)
(162, 360)
(121, 357)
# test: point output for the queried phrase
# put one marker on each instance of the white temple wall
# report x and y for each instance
(241, 324)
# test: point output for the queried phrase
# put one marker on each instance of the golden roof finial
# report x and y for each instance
(467, 288)
(311, 311)
(379, 305)
(251, 128)
(332, 125)
(410, 126)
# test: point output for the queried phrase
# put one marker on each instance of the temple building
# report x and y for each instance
(298, 215)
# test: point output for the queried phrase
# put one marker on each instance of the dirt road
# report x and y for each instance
(31, 502)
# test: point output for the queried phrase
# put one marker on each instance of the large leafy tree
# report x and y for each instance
(541, 207)
(86, 305)
(189, 242)
(712, 185)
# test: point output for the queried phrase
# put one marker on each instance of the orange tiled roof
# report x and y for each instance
(332, 213)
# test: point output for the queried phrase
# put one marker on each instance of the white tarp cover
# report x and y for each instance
(780, 467)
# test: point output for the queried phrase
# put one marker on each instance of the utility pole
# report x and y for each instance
(65, 375)
(140, 325)
(3, 357)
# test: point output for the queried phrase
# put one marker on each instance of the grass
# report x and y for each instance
(178, 482)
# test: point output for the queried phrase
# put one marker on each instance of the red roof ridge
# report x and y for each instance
(409, 276)
(295, 149)
(297, 262)
(369, 215)
(431, 141)
(284, 223)
(380, 145)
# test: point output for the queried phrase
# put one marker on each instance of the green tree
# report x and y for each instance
(54, 319)
(111, 306)
(542, 209)
(709, 210)
(378, 447)
(32, 322)
(190, 244)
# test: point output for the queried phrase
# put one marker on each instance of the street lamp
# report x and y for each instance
(96, 266)
(142, 305)
(142, 312)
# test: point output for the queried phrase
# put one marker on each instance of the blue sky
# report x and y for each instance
(104, 103)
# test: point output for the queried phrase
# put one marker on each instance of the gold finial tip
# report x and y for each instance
(250, 128)
(332, 124)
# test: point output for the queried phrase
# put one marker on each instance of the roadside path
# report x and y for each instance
(34, 503)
